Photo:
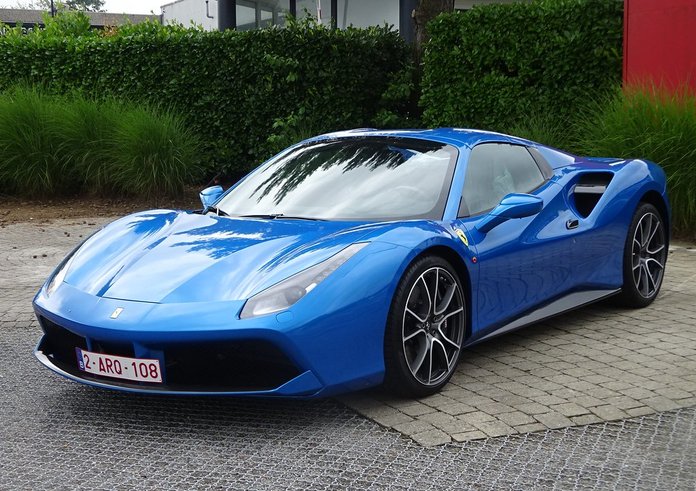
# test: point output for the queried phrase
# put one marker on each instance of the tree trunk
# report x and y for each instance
(426, 11)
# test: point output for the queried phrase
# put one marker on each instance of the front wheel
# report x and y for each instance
(425, 330)
(645, 257)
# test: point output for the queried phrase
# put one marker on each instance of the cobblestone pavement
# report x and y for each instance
(56, 434)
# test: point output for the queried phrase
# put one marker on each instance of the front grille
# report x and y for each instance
(59, 343)
(244, 365)
(227, 366)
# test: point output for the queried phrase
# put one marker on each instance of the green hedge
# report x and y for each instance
(58, 145)
(496, 65)
(231, 87)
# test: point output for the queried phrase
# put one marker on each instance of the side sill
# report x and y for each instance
(564, 304)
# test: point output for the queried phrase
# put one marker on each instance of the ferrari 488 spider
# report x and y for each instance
(354, 259)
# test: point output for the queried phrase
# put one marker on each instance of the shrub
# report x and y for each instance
(547, 130)
(152, 152)
(230, 87)
(65, 144)
(87, 136)
(31, 157)
(650, 124)
(495, 65)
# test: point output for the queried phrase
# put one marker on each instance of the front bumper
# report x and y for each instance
(232, 367)
(205, 349)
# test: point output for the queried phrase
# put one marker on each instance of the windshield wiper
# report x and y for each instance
(273, 216)
(217, 211)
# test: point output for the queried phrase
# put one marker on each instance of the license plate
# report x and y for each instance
(138, 369)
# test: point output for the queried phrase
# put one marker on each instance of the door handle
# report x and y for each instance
(571, 224)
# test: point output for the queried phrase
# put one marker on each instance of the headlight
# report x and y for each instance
(286, 293)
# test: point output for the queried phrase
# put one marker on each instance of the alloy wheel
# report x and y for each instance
(649, 253)
(433, 326)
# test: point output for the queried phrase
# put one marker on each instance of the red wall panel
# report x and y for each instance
(660, 42)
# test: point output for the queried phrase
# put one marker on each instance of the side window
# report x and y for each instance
(495, 170)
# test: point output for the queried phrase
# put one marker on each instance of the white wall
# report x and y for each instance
(185, 11)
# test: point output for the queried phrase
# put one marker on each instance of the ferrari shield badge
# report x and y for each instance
(462, 236)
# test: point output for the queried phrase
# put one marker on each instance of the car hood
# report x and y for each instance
(166, 256)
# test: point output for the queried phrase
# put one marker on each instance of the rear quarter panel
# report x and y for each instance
(601, 236)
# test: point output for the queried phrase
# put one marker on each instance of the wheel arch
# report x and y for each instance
(657, 200)
(460, 268)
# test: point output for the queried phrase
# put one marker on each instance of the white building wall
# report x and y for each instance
(187, 11)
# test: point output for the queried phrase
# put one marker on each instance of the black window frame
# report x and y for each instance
(228, 14)
(543, 166)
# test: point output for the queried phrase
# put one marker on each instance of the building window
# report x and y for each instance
(310, 8)
(246, 16)
(366, 13)
(253, 14)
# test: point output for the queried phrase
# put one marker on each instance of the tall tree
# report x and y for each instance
(426, 11)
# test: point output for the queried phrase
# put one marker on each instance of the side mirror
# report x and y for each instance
(511, 206)
(210, 195)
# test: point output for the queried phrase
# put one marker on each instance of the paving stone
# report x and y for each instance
(533, 408)
(437, 418)
(416, 409)
(476, 417)
(673, 393)
(553, 420)
(608, 413)
(660, 403)
(413, 427)
(431, 438)
(456, 426)
(570, 409)
(639, 411)
(623, 402)
(585, 419)
(548, 400)
(586, 401)
(494, 408)
(530, 428)
(469, 436)
(516, 418)
(457, 408)
(495, 428)
(390, 418)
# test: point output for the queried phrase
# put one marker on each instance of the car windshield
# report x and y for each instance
(349, 179)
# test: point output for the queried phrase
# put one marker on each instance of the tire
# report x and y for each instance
(645, 258)
(422, 342)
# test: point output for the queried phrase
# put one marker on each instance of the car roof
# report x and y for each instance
(459, 137)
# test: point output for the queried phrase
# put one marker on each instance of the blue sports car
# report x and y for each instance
(354, 259)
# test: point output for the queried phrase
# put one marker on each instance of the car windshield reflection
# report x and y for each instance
(350, 179)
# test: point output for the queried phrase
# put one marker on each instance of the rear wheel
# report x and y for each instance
(425, 330)
(645, 256)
